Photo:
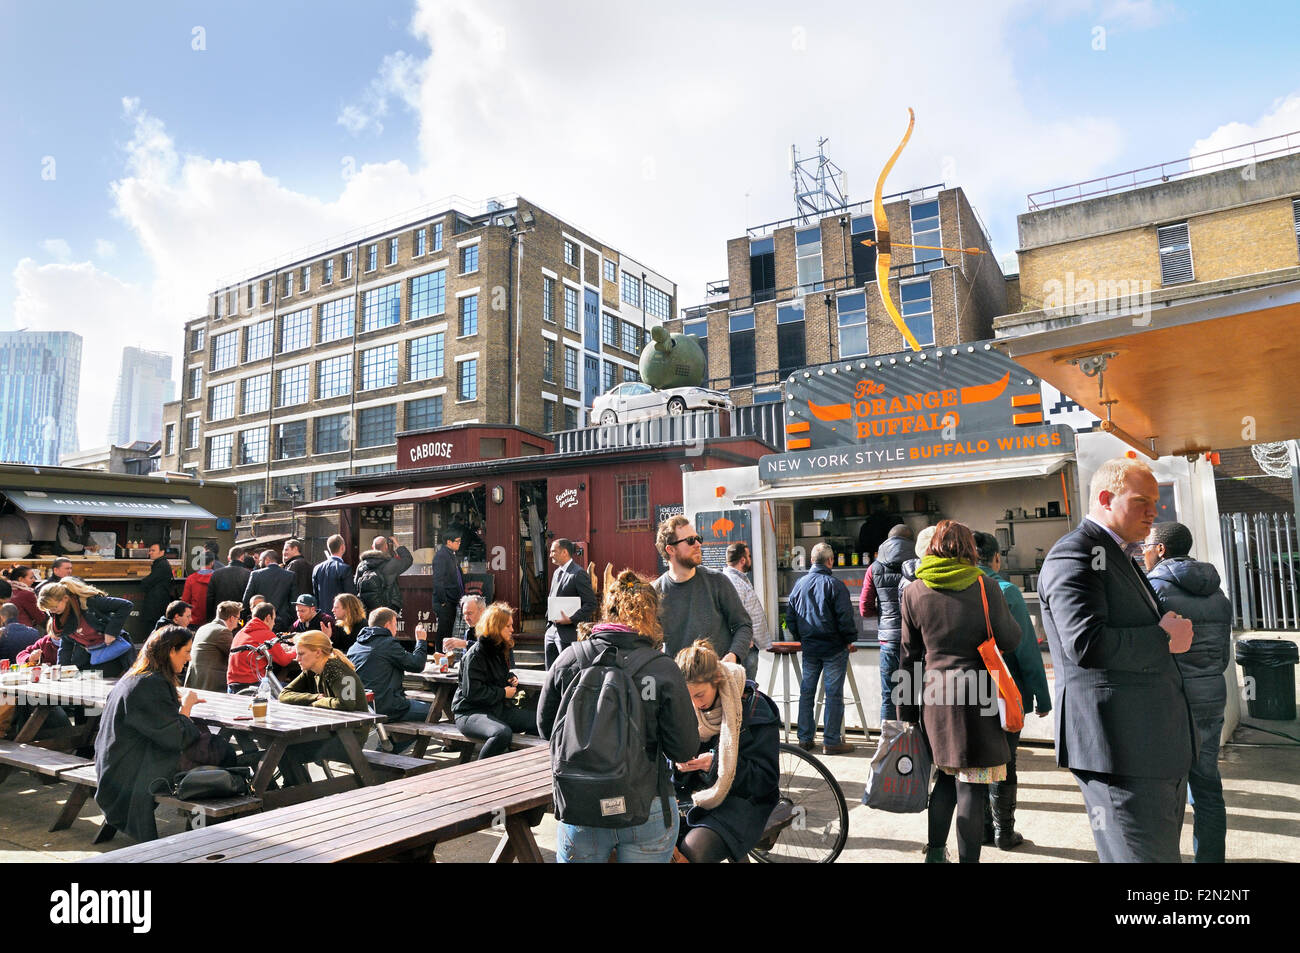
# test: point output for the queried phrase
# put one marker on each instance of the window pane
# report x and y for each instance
(428, 295)
(257, 394)
(424, 414)
(437, 236)
(570, 368)
(376, 426)
(917, 312)
(548, 360)
(334, 377)
(332, 433)
(291, 440)
(295, 331)
(469, 314)
(258, 344)
(336, 320)
(379, 367)
(548, 299)
(252, 495)
(220, 451)
(467, 387)
(468, 259)
(324, 484)
(221, 401)
(631, 291)
(852, 318)
(392, 251)
(293, 385)
(570, 309)
(252, 446)
(381, 308)
(425, 359)
(225, 350)
(657, 303)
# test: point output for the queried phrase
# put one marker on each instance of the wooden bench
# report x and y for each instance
(453, 739)
(397, 820)
(389, 766)
(211, 810)
(15, 756)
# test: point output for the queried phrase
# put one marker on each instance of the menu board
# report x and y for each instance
(721, 528)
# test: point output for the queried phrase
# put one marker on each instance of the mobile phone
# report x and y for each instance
(243, 718)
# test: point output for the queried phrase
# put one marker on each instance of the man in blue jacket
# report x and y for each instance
(820, 616)
(380, 662)
(1191, 589)
(332, 576)
(1030, 676)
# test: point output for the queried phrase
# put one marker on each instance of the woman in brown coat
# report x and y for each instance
(956, 701)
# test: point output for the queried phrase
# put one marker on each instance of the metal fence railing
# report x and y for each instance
(763, 422)
(1260, 552)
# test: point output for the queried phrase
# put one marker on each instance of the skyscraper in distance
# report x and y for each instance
(144, 384)
(40, 377)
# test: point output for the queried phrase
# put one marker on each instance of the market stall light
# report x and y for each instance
(498, 494)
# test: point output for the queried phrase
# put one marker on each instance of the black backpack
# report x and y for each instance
(606, 771)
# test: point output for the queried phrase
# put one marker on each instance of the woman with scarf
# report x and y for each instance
(727, 792)
(943, 626)
(90, 624)
(22, 580)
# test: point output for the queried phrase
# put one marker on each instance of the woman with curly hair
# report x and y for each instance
(630, 631)
(90, 625)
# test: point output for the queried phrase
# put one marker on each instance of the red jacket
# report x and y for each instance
(867, 600)
(45, 647)
(29, 613)
(196, 594)
(246, 668)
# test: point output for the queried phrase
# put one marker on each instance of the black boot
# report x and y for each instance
(990, 834)
(1002, 797)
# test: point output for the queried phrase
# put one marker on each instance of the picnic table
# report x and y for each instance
(88, 690)
(402, 819)
(287, 725)
(439, 688)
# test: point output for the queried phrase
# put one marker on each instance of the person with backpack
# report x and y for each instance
(615, 710)
(728, 790)
(484, 705)
(880, 595)
(377, 572)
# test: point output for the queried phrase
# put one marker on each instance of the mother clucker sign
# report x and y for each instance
(968, 403)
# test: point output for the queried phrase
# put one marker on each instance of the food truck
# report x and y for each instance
(109, 522)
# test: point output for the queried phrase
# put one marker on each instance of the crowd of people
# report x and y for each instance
(1138, 659)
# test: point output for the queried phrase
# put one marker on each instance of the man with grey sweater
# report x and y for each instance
(696, 602)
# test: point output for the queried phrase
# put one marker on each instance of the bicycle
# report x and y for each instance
(268, 686)
(810, 823)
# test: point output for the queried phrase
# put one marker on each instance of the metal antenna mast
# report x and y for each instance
(820, 186)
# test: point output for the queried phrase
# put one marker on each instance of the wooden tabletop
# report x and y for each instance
(83, 689)
(369, 823)
(290, 722)
(528, 678)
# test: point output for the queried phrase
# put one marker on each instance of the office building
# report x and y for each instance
(40, 377)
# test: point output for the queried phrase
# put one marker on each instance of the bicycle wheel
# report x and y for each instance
(819, 816)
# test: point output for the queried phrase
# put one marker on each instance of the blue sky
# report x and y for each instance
(631, 121)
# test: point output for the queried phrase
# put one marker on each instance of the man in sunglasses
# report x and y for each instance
(696, 602)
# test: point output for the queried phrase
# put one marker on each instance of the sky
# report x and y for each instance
(154, 150)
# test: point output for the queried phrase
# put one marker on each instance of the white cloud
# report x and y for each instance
(1282, 118)
(104, 248)
(399, 78)
(58, 249)
(1138, 14)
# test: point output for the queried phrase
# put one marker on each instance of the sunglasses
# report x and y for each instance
(688, 540)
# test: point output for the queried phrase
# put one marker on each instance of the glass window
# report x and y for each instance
(634, 502)
(372, 257)
(196, 383)
(428, 295)
(611, 270)
(609, 329)
(220, 450)
(268, 288)
(631, 337)
(334, 377)
(392, 251)
(257, 394)
(468, 315)
(791, 349)
(548, 298)
(425, 358)
(467, 380)
(295, 331)
(657, 302)
(548, 416)
(701, 331)
(332, 432)
(252, 446)
(376, 426)
(221, 401)
(630, 375)
(379, 367)
(252, 494)
(198, 338)
(328, 275)
(291, 440)
(347, 264)
(381, 307)
(570, 417)
(170, 445)
(293, 385)
(324, 483)
(762, 269)
(918, 313)
(287, 279)
(424, 414)
(609, 376)
(468, 259)
(437, 236)
(225, 350)
(192, 433)
(306, 277)
(259, 340)
(571, 368)
(548, 360)
(570, 309)
(336, 320)
(851, 311)
(570, 253)
(808, 259)
(376, 468)
(631, 290)
(420, 238)
(742, 349)
(250, 295)
(926, 231)
(290, 487)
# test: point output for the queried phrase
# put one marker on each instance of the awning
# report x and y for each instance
(1206, 373)
(69, 503)
(415, 494)
(919, 478)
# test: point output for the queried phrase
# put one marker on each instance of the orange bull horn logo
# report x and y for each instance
(723, 526)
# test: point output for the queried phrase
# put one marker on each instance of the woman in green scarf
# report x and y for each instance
(955, 700)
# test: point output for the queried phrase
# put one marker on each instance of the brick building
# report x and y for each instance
(802, 292)
(307, 371)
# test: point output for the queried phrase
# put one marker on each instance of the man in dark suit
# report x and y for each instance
(570, 579)
(296, 563)
(1122, 722)
(275, 584)
(159, 586)
(448, 585)
(332, 577)
(228, 584)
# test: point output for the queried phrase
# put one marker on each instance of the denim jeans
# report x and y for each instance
(834, 669)
(648, 843)
(419, 711)
(1205, 787)
(497, 733)
(888, 666)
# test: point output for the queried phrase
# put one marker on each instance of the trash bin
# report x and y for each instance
(1269, 667)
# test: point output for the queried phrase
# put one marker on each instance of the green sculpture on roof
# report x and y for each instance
(672, 360)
